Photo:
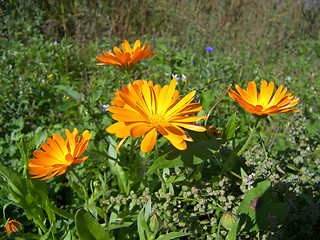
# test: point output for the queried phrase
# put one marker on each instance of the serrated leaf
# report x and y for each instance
(88, 228)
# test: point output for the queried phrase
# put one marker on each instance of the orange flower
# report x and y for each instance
(264, 103)
(136, 84)
(58, 154)
(146, 109)
(13, 226)
(128, 58)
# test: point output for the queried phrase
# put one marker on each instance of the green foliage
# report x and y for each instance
(49, 82)
(87, 227)
(261, 209)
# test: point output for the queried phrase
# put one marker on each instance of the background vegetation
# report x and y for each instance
(49, 81)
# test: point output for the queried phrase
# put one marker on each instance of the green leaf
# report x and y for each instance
(196, 153)
(173, 235)
(271, 212)
(118, 171)
(147, 211)
(258, 208)
(162, 46)
(60, 212)
(38, 192)
(18, 194)
(232, 234)
(113, 226)
(88, 228)
(16, 182)
(243, 173)
(230, 128)
(70, 92)
(40, 136)
(47, 234)
(78, 189)
(95, 96)
(142, 225)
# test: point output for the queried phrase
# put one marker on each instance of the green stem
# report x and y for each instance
(127, 75)
(81, 183)
(230, 171)
(163, 187)
(131, 149)
(92, 115)
(208, 115)
(244, 147)
(156, 150)
(227, 166)
(236, 175)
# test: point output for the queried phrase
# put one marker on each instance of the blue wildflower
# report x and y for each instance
(209, 49)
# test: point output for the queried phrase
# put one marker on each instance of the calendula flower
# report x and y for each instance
(264, 103)
(146, 109)
(13, 226)
(128, 58)
(58, 154)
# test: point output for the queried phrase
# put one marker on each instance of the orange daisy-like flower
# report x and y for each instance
(128, 58)
(13, 226)
(264, 103)
(58, 154)
(146, 109)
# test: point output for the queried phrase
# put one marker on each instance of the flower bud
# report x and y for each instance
(13, 227)
(229, 220)
(97, 183)
(154, 222)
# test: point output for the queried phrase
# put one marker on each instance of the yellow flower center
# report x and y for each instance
(157, 119)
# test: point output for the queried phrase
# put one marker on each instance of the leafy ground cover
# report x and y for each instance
(212, 190)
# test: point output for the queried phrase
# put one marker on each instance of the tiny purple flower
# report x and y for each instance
(209, 49)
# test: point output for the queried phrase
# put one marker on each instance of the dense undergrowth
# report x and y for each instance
(49, 81)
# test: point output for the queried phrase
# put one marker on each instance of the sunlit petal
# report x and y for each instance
(128, 58)
(58, 154)
(147, 109)
(264, 103)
